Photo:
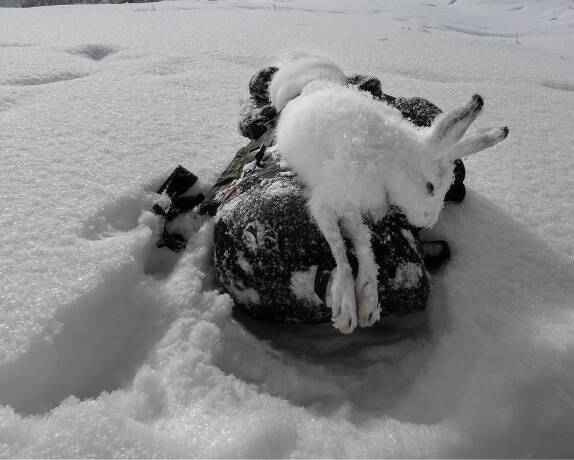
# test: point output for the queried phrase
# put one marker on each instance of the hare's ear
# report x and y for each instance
(477, 141)
(450, 127)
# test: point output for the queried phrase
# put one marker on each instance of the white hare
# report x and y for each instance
(357, 155)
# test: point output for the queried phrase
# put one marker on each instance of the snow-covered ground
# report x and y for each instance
(112, 348)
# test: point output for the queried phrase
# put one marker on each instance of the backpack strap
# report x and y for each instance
(252, 152)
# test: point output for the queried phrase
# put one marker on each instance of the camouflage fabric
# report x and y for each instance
(258, 111)
(275, 263)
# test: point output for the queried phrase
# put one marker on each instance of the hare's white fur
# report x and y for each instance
(300, 70)
(358, 155)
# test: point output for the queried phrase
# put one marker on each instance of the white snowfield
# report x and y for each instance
(112, 348)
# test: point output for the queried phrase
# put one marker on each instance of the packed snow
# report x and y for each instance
(110, 347)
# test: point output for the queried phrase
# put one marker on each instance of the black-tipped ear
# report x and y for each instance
(449, 128)
(477, 141)
(478, 101)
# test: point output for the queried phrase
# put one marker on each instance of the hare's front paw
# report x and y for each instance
(343, 304)
(367, 294)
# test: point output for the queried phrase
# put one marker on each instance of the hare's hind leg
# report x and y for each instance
(450, 127)
(343, 303)
(366, 284)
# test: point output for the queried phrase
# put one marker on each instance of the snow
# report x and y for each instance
(303, 285)
(108, 348)
(245, 296)
(279, 188)
(408, 275)
(243, 263)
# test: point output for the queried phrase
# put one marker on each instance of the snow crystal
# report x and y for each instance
(244, 295)
(279, 188)
(408, 275)
(228, 207)
(250, 241)
(243, 263)
(256, 234)
(410, 238)
(303, 285)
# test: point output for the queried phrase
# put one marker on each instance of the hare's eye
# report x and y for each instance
(430, 189)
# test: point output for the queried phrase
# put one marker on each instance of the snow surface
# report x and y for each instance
(112, 348)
